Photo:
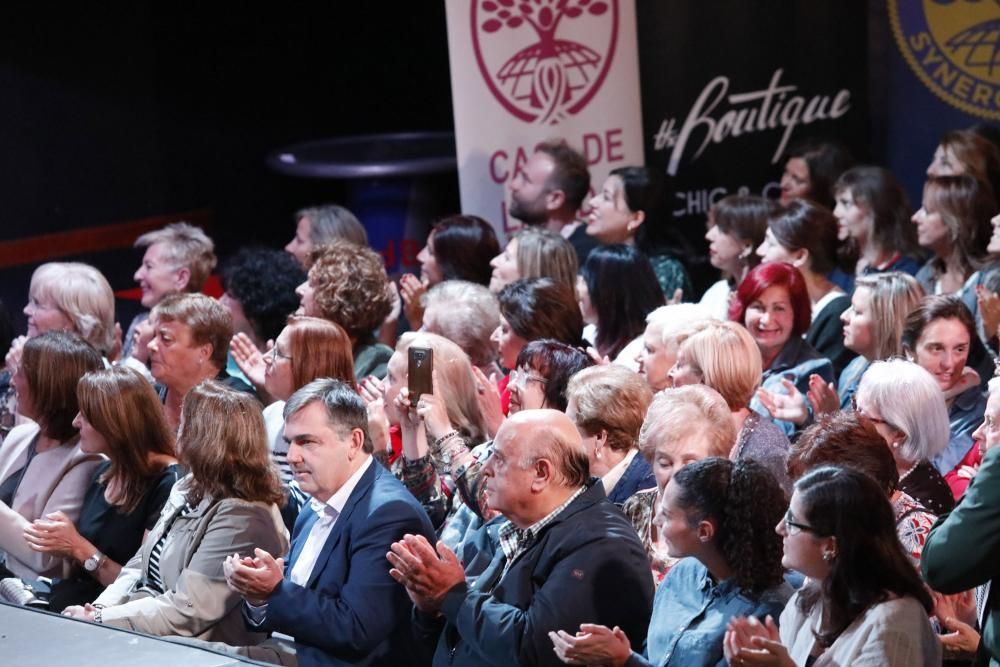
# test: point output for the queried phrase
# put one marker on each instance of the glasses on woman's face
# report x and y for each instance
(793, 527)
(520, 379)
(874, 420)
(275, 354)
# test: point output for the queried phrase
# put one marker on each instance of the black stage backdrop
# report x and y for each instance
(727, 85)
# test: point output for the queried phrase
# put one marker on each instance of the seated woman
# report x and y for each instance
(953, 223)
(530, 309)
(909, 412)
(534, 252)
(850, 439)
(615, 325)
(873, 215)
(811, 168)
(191, 334)
(805, 235)
(682, 425)
(725, 357)
(630, 210)
(121, 418)
(347, 285)
(736, 227)
(717, 515)
(62, 296)
(608, 404)
(43, 470)
(174, 585)
(873, 326)
(459, 247)
(967, 152)
(773, 303)
(862, 604)
(660, 340)
(319, 225)
(938, 335)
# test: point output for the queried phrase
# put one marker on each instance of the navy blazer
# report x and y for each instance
(351, 612)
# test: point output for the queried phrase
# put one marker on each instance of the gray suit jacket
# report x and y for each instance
(196, 601)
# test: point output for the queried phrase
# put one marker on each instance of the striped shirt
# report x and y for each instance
(154, 583)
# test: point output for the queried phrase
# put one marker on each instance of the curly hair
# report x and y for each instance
(263, 280)
(351, 287)
(746, 502)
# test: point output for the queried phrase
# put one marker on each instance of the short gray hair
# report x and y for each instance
(472, 315)
(344, 408)
(185, 247)
(909, 399)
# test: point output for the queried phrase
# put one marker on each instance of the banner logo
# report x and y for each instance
(532, 56)
(953, 46)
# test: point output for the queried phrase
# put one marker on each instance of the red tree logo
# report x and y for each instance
(548, 78)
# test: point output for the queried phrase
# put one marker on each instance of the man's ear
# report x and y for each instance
(543, 474)
(555, 200)
(357, 443)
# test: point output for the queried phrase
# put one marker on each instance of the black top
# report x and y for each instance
(115, 534)
(826, 334)
(926, 485)
(583, 243)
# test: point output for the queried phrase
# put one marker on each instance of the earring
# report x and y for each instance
(828, 556)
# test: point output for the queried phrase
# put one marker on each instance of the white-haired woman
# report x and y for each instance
(908, 409)
(664, 328)
(62, 296)
(682, 425)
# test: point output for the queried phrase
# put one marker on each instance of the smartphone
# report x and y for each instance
(421, 365)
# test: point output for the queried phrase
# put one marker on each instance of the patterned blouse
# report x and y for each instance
(913, 524)
(640, 510)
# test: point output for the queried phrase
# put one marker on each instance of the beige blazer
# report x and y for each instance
(197, 602)
(56, 480)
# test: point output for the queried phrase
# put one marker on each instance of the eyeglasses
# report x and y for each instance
(874, 420)
(793, 527)
(520, 379)
(275, 355)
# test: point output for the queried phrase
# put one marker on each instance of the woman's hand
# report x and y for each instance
(596, 357)
(960, 605)
(378, 425)
(56, 534)
(86, 612)
(412, 290)
(371, 389)
(750, 642)
(13, 359)
(248, 358)
(490, 403)
(432, 409)
(822, 396)
(592, 645)
(790, 407)
(962, 642)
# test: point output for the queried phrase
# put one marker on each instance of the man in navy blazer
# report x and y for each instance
(334, 603)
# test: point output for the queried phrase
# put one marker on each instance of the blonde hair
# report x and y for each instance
(893, 296)
(83, 294)
(611, 399)
(455, 381)
(186, 247)
(545, 254)
(728, 358)
(676, 414)
(677, 318)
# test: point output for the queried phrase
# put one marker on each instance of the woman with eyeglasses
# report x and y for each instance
(717, 516)
(863, 603)
(908, 410)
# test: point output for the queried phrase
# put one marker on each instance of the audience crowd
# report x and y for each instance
(550, 451)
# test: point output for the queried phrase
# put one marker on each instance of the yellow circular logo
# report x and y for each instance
(954, 47)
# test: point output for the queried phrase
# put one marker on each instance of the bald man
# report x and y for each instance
(566, 557)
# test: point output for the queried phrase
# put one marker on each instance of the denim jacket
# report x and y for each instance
(690, 614)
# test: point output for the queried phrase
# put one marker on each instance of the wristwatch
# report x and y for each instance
(94, 562)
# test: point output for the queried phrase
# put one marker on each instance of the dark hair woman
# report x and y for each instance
(718, 515)
(617, 290)
(863, 603)
(121, 418)
(811, 167)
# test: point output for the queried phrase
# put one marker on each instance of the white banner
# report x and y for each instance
(523, 71)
